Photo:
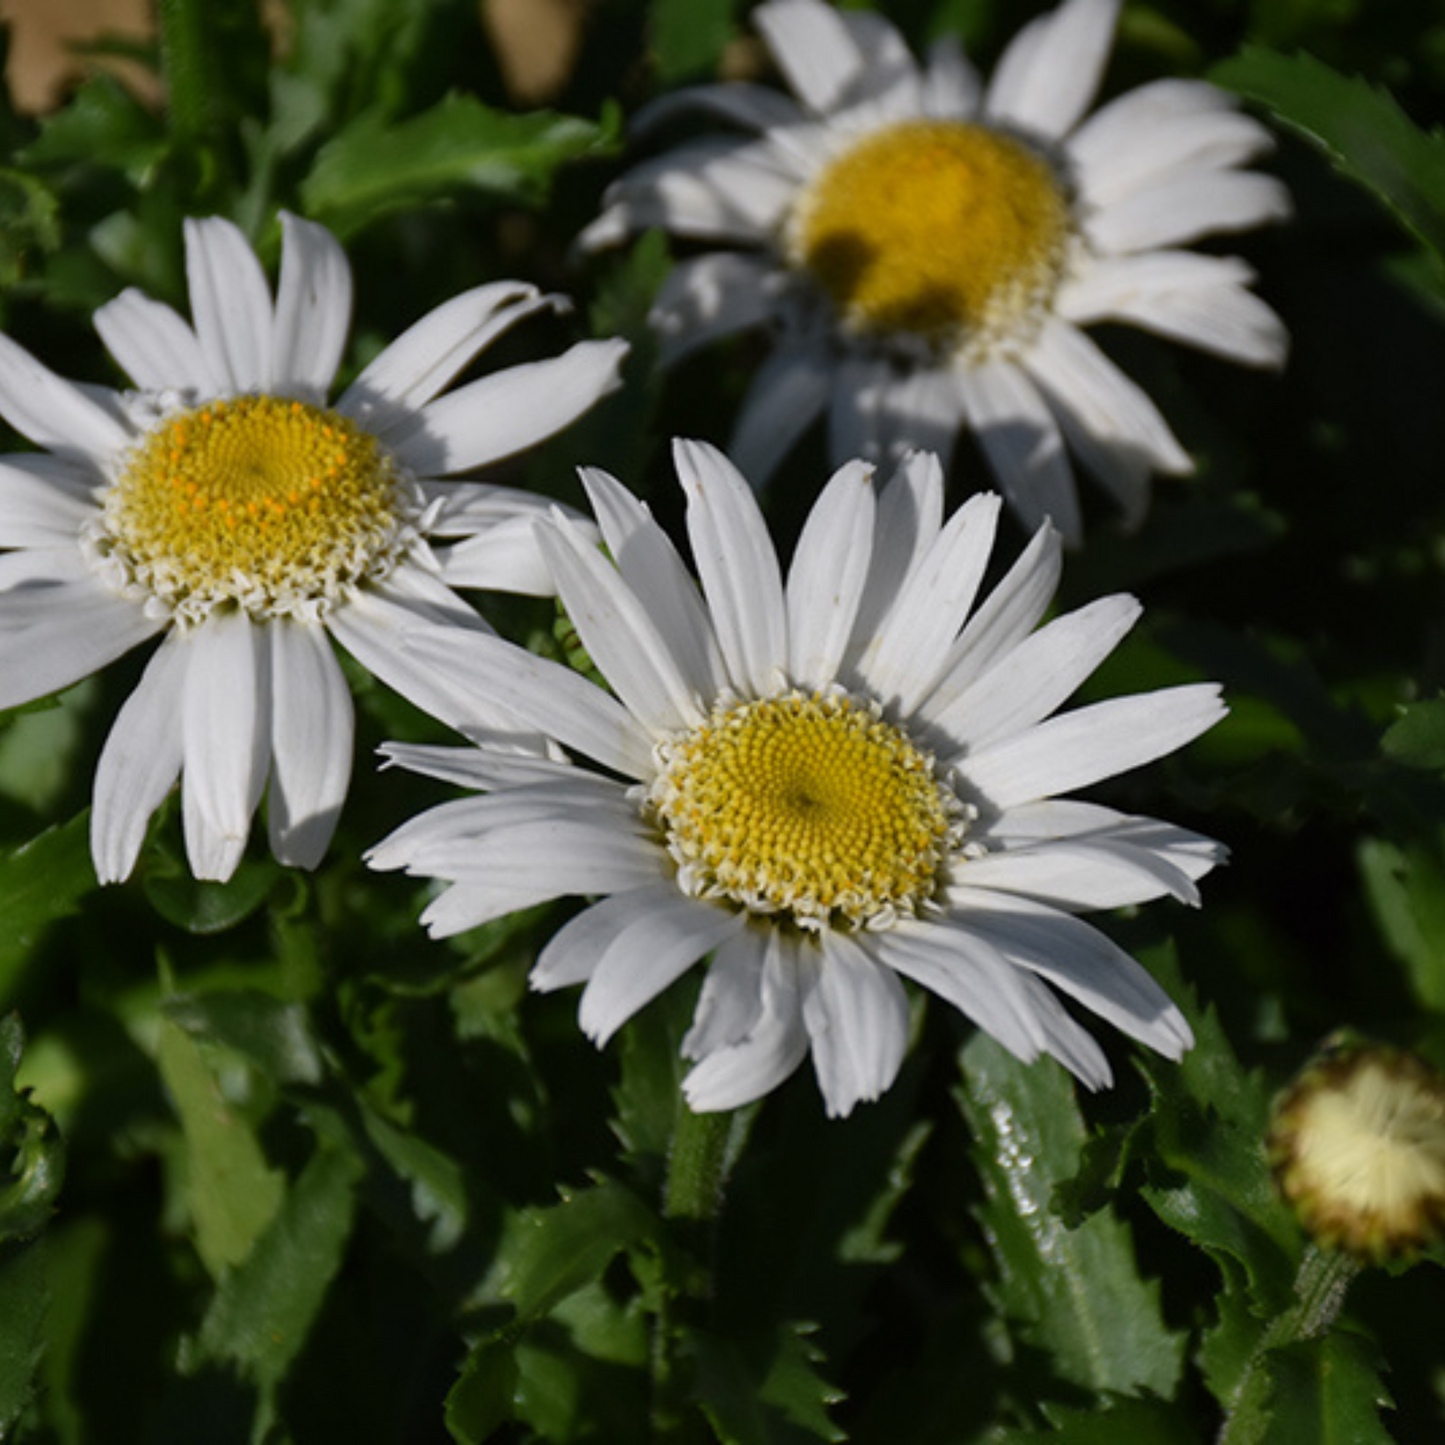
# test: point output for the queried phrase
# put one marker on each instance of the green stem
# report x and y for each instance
(1320, 1287)
(701, 1154)
(188, 59)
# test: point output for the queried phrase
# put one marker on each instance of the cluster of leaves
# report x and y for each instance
(322, 1178)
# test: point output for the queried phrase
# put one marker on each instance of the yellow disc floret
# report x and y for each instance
(808, 805)
(941, 232)
(262, 502)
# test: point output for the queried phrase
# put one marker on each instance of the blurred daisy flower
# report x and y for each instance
(829, 783)
(1357, 1143)
(225, 506)
(927, 249)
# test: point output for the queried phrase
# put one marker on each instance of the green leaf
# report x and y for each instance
(1417, 737)
(481, 1400)
(438, 1189)
(234, 1193)
(1405, 887)
(1327, 1391)
(1075, 1292)
(40, 881)
(1140, 1422)
(202, 907)
(25, 1292)
(550, 1253)
(1365, 134)
(263, 1310)
(276, 1037)
(372, 167)
(761, 1391)
(688, 37)
(30, 1183)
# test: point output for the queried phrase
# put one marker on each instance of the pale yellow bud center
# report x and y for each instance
(808, 806)
(945, 232)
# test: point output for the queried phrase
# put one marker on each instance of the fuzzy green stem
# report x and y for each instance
(702, 1151)
(1320, 1288)
(188, 58)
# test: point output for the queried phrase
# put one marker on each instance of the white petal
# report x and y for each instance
(909, 518)
(657, 947)
(737, 565)
(618, 633)
(504, 558)
(429, 353)
(1077, 958)
(825, 580)
(532, 864)
(55, 413)
(1082, 747)
(313, 310)
(230, 303)
(1187, 205)
(813, 48)
(967, 971)
(1117, 431)
(1081, 875)
(485, 673)
(719, 189)
(79, 628)
(139, 763)
(474, 767)
(1008, 614)
(857, 1021)
(312, 725)
(153, 344)
(711, 296)
(920, 410)
(225, 730)
(1156, 131)
(659, 580)
(777, 1043)
(951, 86)
(1051, 70)
(787, 395)
(572, 953)
(741, 103)
(860, 385)
(508, 411)
(43, 502)
(913, 642)
(1022, 442)
(1199, 300)
(731, 1002)
(1035, 677)
(1074, 1047)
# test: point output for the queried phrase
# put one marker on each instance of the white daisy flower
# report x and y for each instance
(829, 783)
(928, 249)
(228, 508)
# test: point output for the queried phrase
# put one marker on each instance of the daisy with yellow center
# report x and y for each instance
(828, 781)
(226, 506)
(928, 249)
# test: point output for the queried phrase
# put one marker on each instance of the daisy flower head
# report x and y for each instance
(830, 781)
(227, 507)
(928, 249)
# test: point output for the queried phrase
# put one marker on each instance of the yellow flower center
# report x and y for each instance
(939, 231)
(258, 501)
(805, 805)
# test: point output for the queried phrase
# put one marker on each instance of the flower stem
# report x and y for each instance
(699, 1159)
